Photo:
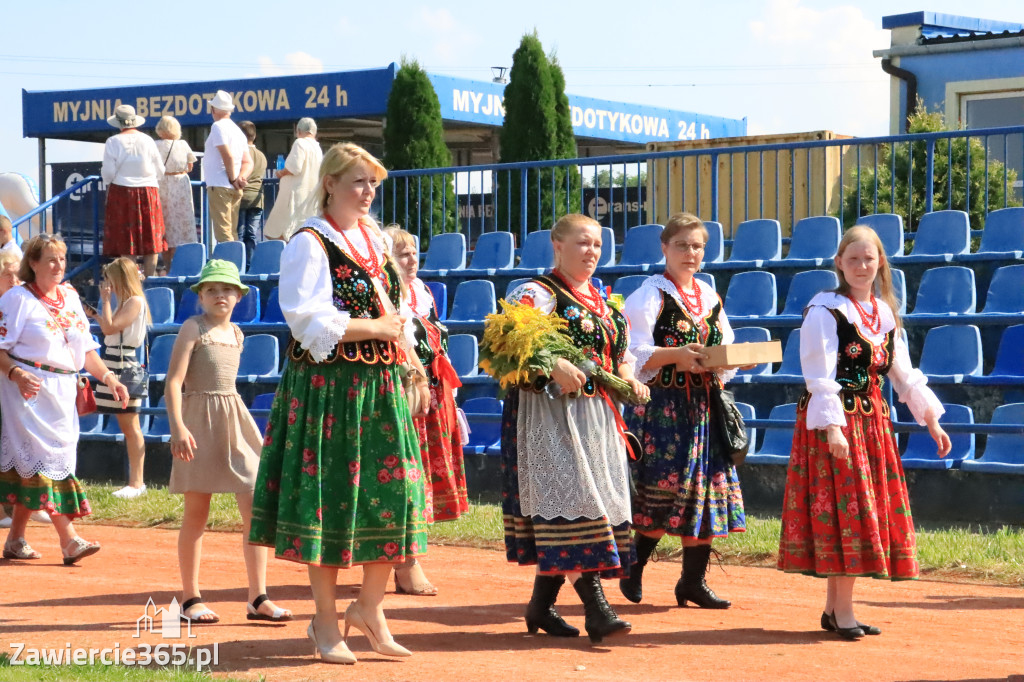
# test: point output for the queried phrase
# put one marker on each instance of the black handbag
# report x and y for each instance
(728, 431)
(134, 375)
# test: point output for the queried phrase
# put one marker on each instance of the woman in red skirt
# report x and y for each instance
(132, 166)
(846, 512)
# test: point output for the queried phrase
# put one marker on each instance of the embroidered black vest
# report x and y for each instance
(353, 292)
(424, 350)
(674, 327)
(602, 340)
(859, 366)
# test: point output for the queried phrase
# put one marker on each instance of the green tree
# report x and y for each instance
(529, 133)
(909, 159)
(567, 179)
(414, 139)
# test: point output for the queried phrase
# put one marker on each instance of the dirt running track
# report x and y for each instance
(474, 630)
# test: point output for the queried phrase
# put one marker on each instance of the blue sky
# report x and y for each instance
(786, 65)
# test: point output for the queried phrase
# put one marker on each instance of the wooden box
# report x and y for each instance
(735, 354)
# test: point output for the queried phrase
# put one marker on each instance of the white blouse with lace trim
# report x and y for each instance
(643, 307)
(819, 347)
(306, 294)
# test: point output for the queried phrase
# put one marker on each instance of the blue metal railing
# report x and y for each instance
(846, 178)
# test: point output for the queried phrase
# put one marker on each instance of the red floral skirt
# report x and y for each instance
(848, 517)
(134, 222)
(441, 452)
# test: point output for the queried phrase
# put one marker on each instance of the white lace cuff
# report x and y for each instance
(642, 354)
(327, 340)
(922, 403)
(726, 375)
(825, 409)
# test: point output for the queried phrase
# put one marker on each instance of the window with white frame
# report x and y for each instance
(993, 110)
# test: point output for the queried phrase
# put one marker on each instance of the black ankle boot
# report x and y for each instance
(540, 612)
(632, 587)
(601, 621)
(691, 586)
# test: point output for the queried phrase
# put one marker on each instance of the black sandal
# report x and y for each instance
(253, 613)
(198, 617)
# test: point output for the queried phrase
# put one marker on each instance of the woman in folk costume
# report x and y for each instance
(439, 431)
(846, 512)
(566, 480)
(684, 485)
(340, 482)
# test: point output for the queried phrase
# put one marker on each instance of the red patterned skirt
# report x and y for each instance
(134, 222)
(848, 517)
(441, 452)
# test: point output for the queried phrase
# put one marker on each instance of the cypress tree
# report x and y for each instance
(414, 138)
(567, 179)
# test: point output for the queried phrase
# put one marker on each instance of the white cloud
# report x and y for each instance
(294, 63)
(450, 41)
(843, 88)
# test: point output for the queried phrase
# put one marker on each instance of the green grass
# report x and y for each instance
(103, 673)
(952, 553)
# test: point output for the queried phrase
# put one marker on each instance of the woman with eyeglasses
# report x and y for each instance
(684, 486)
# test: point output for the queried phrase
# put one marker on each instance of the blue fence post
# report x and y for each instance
(714, 191)
(522, 204)
(96, 248)
(929, 176)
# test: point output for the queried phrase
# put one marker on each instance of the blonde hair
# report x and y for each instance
(169, 125)
(399, 238)
(883, 288)
(568, 223)
(33, 250)
(8, 258)
(124, 278)
(337, 161)
(6, 222)
(683, 222)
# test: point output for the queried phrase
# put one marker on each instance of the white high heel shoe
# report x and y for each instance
(388, 647)
(339, 653)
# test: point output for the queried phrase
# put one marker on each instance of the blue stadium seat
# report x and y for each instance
(815, 241)
(90, 423)
(263, 401)
(493, 251)
(899, 287)
(790, 371)
(248, 309)
(273, 312)
(748, 413)
(187, 306)
(940, 236)
(1004, 452)
(537, 255)
(950, 353)
(484, 417)
(233, 252)
(607, 247)
(946, 291)
(188, 262)
(1009, 365)
(515, 284)
(160, 355)
(778, 440)
(161, 304)
(266, 261)
(160, 425)
(714, 250)
(921, 452)
(259, 357)
(463, 352)
(707, 278)
(751, 294)
(624, 286)
(446, 252)
(641, 250)
(1006, 291)
(440, 293)
(111, 430)
(1002, 238)
(474, 299)
(803, 288)
(889, 228)
(752, 335)
(753, 243)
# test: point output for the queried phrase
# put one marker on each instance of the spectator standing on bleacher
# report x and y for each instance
(124, 330)
(176, 186)
(440, 434)
(846, 511)
(8, 244)
(132, 167)
(250, 212)
(340, 481)
(684, 485)
(226, 167)
(298, 183)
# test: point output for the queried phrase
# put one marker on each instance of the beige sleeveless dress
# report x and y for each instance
(228, 442)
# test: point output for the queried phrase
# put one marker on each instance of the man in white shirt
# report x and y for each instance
(226, 168)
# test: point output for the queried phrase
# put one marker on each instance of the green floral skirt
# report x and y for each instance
(66, 496)
(340, 481)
